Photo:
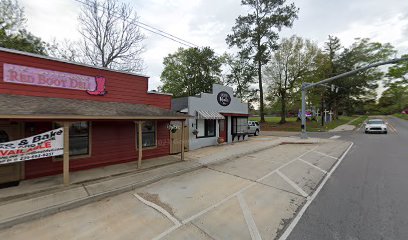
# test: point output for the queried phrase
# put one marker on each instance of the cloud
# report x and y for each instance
(207, 23)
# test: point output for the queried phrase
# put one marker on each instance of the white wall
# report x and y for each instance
(208, 102)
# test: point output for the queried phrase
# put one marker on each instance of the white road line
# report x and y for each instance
(158, 208)
(324, 154)
(295, 221)
(253, 230)
(284, 165)
(334, 137)
(308, 163)
(229, 197)
(293, 184)
(392, 127)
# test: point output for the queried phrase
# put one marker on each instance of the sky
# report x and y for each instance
(207, 23)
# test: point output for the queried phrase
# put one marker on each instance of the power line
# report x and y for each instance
(151, 29)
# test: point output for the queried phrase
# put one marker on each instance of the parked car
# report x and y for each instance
(375, 126)
(253, 128)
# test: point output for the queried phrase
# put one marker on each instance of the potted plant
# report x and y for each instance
(173, 128)
(220, 140)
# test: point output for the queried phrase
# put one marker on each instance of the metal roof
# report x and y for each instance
(201, 114)
(28, 107)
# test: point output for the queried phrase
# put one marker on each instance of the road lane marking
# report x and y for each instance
(324, 154)
(168, 231)
(293, 184)
(295, 221)
(392, 127)
(334, 137)
(253, 230)
(308, 163)
(159, 209)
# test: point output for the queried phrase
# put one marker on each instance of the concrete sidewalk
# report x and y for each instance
(344, 127)
(45, 199)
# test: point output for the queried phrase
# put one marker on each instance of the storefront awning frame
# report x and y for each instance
(202, 114)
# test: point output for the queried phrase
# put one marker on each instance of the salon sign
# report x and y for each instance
(43, 145)
(47, 78)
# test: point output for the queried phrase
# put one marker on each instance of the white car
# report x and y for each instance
(376, 126)
(253, 128)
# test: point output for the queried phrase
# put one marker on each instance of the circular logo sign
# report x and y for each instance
(223, 98)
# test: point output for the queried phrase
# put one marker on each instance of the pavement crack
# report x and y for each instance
(202, 231)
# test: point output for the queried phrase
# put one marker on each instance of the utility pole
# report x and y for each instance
(306, 86)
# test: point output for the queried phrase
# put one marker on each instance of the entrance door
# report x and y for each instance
(222, 124)
(175, 140)
(9, 172)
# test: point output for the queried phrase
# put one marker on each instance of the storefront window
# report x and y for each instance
(239, 125)
(206, 128)
(148, 134)
(78, 138)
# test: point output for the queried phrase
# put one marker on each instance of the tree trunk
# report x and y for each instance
(283, 109)
(261, 100)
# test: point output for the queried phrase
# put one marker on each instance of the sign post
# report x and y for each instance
(66, 153)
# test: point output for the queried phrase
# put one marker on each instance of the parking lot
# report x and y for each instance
(251, 197)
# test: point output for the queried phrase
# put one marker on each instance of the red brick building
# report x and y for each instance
(103, 108)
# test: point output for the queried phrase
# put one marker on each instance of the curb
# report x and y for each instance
(86, 200)
(9, 222)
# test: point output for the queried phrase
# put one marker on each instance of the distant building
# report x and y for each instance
(216, 115)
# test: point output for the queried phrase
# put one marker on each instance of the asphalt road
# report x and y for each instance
(367, 196)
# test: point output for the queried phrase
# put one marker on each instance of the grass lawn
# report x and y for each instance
(359, 120)
(272, 124)
(400, 115)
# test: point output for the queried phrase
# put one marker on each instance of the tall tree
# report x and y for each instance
(241, 75)
(361, 87)
(13, 34)
(190, 71)
(332, 48)
(256, 34)
(110, 35)
(395, 98)
(291, 64)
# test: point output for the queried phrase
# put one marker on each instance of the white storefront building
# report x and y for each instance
(216, 115)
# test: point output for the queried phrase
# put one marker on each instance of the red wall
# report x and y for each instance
(121, 87)
(112, 142)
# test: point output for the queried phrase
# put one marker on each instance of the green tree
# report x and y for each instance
(241, 75)
(360, 88)
(395, 98)
(190, 71)
(293, 63)
(256, 33)
(12, 32)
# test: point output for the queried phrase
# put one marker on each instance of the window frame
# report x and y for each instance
(234, 125)
(206, 128)
(137, 136)
(89, 154)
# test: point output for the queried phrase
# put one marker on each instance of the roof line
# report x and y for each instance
(68, 62)
(83, 117)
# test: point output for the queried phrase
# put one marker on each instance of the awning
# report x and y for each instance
(28, 107)
(201, 114)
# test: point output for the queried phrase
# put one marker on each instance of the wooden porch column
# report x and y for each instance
(66, 153)
(182, 140)
(139, 147)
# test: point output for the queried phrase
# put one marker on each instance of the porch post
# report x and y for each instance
(182, 140)
(139, 147)
(66, 154)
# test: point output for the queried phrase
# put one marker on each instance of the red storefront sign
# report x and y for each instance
(47, 78)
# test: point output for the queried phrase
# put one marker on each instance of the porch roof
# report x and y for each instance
(28, 107)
